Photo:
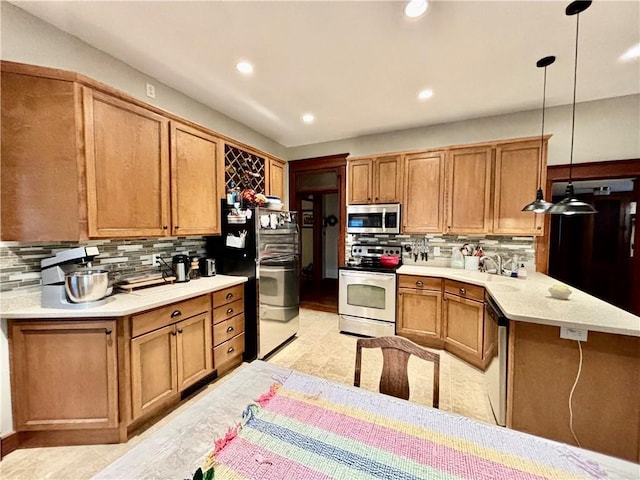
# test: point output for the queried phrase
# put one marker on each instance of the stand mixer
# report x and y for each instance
(71, 269)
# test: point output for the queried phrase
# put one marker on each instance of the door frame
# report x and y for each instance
(594, 171)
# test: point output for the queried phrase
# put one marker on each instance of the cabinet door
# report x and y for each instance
(194, 354)
(275, 172)
(464, 320)
(195, 172)
(127, 155)
(423, 201)
(420, 316)
(64, 375)
(517, 178)
(387, 179)
(360, 176)
(154, 378)
(468, 192)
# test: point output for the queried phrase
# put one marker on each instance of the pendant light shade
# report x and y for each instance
(570, 205)
(539, 205)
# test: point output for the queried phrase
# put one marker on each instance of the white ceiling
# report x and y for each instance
(358, 66)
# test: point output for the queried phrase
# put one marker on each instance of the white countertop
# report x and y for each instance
(529, 300)
(120, 304)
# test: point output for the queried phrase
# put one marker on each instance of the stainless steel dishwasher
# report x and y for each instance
(496, 373)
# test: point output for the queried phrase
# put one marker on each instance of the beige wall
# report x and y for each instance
(605, 130)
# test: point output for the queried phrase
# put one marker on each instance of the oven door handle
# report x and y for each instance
(366, 275)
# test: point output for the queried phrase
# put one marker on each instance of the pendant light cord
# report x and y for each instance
(573, 115)
(544, 96)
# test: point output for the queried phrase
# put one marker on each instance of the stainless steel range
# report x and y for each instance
(367, 291)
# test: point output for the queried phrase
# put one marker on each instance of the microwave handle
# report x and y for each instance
(384, 222)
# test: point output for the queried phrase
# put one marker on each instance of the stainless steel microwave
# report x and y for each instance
(381, 218)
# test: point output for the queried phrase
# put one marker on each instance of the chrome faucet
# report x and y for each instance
(497, 260)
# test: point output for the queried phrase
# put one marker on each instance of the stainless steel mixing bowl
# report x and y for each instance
(86, 285)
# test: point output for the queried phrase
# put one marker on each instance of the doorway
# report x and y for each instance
(317, 193)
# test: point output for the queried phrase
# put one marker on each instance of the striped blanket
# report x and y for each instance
(309, 428)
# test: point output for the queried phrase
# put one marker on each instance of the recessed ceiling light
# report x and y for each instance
(424, 94)
(415, 8)
(244, 67)
(308, 118)
(633, 52)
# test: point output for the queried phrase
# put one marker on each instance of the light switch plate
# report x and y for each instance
(571, 333)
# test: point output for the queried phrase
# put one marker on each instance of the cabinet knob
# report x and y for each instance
(179, 330)
(376, 198)
(368, 198)
(174, 333)
(229, 296)
(176, 313)
(463, 291)
(107, 331)
(229, 329)
(539, 228)
(231, 350)
(229, 311)
(164, 227)
(419, 283)
(176, 227)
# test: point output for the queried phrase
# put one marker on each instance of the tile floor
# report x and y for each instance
(319, 349)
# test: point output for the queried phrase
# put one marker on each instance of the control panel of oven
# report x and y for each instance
(377, 250)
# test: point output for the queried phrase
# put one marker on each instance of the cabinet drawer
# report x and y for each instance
(228, 329)
(228, 295)
(227, 311)
(228, 351)
(420, 283)
(175, 312)
(465, 290)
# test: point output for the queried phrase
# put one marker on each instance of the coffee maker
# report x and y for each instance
(56, 269)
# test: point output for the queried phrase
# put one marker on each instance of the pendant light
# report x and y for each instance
(539, 205)
(570, 205)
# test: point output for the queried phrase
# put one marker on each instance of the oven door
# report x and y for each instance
(368, 295)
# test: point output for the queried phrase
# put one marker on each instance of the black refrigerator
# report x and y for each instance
(262, 245)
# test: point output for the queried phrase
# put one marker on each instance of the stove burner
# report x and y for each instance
(367, 256)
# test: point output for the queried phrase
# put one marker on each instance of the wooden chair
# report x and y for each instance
(396, 351)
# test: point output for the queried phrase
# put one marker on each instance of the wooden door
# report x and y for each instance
(154, 377)
(64, 374)
(195, 172)
(387, 179)
(127, 155)
(194, 349)
(275, 183)
(463, 327)
(517, 178)
(360, 178)
(468, 191)
(420, 316)
(423, 201)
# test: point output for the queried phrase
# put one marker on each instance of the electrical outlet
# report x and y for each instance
(436, 251)
(571, 333)
(155, 259)
(151, 90)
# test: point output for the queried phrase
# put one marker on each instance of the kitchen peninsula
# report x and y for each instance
(542, 367)
(85, 376)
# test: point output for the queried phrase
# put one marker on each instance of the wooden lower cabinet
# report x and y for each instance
(420, 310)
(228, 328)
(64, 374)
(193, 345)
(464, 328)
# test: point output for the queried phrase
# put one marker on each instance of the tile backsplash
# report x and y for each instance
(507, 247)
(20, 262)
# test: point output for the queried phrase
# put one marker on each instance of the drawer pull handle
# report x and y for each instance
(174, 333)
(229, 311)
(229, 329)
(176, 313)
(463, 291)
(419, 283)
(231, 350)
(107, 331)
(179, 330)
(229, 296)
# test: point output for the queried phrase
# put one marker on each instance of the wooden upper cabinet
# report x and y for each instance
(517, 178)
(423, 200)
(275, 178)
(195, 179)
(360, 177)
(468, 192)
(375, 180)
(41, 159)
(127, 155)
